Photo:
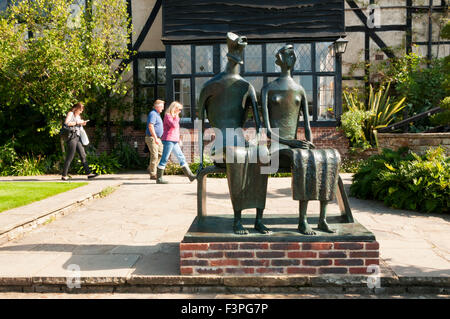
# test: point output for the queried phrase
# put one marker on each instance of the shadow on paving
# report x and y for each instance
(158, 259)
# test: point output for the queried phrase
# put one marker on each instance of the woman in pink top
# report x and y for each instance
(170, 140)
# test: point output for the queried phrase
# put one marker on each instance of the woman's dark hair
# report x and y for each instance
(77, 106)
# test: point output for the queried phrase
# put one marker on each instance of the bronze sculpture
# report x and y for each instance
(226, 99)
(314, 172)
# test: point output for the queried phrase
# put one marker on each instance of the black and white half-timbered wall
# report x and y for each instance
(180, 44)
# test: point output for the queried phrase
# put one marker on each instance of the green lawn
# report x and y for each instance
(15, 194)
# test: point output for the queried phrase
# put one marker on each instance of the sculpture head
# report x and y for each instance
(286, 57)
(236, 45)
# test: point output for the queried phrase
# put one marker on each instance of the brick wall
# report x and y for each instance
(323, 137)
(417, 142)
(278, 258)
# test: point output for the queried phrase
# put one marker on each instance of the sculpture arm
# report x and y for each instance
(254, 102)
(308, 133)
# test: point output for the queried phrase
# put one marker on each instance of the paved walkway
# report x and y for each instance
(136, 230)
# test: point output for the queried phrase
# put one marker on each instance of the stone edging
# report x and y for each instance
(26, 227)
(230, 284)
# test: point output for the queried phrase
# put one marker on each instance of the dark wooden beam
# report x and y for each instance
(148, 24)
(370, 32)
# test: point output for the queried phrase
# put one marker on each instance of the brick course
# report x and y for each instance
(278, 258)
(323, 137)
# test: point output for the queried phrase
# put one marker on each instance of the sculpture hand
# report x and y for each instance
(300, 144)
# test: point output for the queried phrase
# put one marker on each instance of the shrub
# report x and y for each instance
(349, 165)
(442, 118)
(28, 166)
(8, 156)
(100, 164)
(406, 180)
(127, 156)
(352, 123)
(361, 119)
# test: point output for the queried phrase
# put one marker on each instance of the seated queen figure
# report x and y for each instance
(314, 171)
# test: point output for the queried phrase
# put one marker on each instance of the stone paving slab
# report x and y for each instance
(145, 222)
(19, 216)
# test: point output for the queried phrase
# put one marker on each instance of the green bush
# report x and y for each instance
(352, 123)
(442, 118)
(28, 166)
(406, 180)
(361, 119)
(127, 156)
(8, 156)
(100, 164)
(349, 165)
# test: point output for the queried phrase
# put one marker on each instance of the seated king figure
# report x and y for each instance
(225, 100)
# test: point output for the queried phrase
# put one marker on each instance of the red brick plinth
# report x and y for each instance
(278, 258)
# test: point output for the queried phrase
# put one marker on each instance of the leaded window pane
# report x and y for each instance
(325, 98)
(257, 82)
(182, 94)
(223, 56)
(199, 82)
(306, 81)
(204, 59)
(271, 51)
(253, 58)
(325, 61)
(147, 95)
(161, 71)
(146, 71)
(303, 54)
(161, 92)
(181, 59)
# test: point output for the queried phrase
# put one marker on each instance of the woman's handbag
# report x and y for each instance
(66, 131)
(83, 137)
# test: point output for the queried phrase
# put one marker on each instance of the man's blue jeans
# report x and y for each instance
(170, 147)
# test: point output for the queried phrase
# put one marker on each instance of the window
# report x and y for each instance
(315, 70)
(182, 94)
(150, 72)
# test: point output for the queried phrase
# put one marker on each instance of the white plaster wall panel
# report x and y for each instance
(395, 40)
(426, 2)
(441, 50)
(141, 10)
(353, 54)
(352, 84)
(419, 27)
(351, 19)
(153, 40)
(393, 16)
(438, 22)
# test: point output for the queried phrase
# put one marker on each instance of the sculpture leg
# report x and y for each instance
(259, 226)
(238, 228)
(303, 225)
(322, 225)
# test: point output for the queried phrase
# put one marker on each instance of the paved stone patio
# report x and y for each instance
(135, 231)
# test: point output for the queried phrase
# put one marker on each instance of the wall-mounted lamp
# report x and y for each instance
(340, 45)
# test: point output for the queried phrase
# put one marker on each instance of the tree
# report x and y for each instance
(56, 52)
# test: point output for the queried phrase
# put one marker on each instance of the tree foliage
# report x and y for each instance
(56, 52)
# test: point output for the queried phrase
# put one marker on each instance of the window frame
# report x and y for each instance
(315, 74)
(137, 85)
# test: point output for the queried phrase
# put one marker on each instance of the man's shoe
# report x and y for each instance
(152, 176)
(65, 178)
(159, 175)
(92, 175)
